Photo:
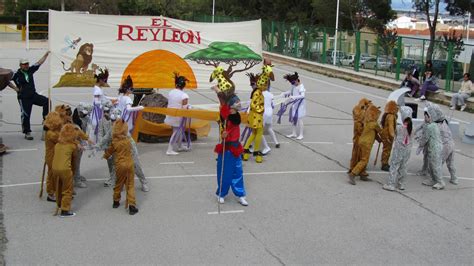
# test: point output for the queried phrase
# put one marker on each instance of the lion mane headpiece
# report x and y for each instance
(372, 114)
(53, 121)
(68, 134)
(391, 107)
(65, 112)
(120, 130)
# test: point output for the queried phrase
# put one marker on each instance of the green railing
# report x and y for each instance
(364, 52)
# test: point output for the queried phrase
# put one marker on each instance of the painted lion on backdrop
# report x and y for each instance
(83, 59)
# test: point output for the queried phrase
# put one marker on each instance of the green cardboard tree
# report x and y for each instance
(230, 53)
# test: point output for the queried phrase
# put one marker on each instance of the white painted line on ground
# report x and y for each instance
(349, 143)
(317, 142)
(227, 212)
(177, 163)
(16, 150)
(245, 174)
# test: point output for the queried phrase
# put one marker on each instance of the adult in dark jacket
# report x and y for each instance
(27, 97)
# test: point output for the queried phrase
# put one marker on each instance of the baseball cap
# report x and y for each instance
(24, 61)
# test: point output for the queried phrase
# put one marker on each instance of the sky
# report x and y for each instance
(406, 5)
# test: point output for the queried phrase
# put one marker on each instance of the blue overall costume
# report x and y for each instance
(233, 173)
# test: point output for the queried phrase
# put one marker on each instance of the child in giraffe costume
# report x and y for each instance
(225, 88)
(256, 109)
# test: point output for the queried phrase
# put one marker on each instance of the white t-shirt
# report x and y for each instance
(175, 100)
(268, 113)
(98, 94)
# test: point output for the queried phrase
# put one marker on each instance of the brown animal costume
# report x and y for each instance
(121, 148)
(64, 151)
(358, 114)
(388, 123)
(52, 125)
(65, 112)
(366, 141)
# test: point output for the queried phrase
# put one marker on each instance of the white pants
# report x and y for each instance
(268, 128)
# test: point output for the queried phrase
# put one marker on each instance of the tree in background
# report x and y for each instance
(454, 7)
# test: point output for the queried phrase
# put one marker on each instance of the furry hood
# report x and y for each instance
(68, 134)
(53, 121)
(391, 107)
(120, 130)
(63, 110)
(106, 105)
(434, 111)
(405, 112)
(84, 108)
(372, 114)
(364, 102)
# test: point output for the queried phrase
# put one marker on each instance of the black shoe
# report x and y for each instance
(132, 210)
(66, 214)
(385, 167)
(116, 204)
(277, 146)
(51, 199)
(365, 178)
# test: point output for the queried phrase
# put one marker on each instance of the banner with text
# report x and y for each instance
(151, 50)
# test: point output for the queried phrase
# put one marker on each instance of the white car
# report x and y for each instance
(381, 63)
(349, 60)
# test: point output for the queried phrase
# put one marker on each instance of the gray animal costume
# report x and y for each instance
(81, 119)
(105, 128)
(431, 143)
(400, 153)
(447, 153)
(105, 139)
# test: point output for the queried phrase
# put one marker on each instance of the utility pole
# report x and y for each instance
(335, 35)
(63, 5)
(213, 9)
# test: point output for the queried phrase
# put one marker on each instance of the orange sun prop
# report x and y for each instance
(155, 69)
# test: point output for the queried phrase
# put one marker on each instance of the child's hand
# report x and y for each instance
(224, 134)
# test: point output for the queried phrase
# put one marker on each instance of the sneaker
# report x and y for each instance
(292, 135)
(300, 137)
(401, 187)
(132, 210)
(109, 183)
(145, 187)
(363, 174)
(66, 214)
(184, 149)
(388, 187)
(463, 107)
(80, 184)
(438, 186)
(452, 107)
(351, 179)
(51, 198)
(243, 202)
(172, 153)
(365, 178)
(385, 167)
(454, 181)
(277, 145)
(28, 136)
(220, 200)
(266, 151)
(116, 204)
(428, 182)
(83, 179)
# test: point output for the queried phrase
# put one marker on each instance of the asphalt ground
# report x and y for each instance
(301, 208)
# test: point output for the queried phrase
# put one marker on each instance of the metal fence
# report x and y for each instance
(381, 55)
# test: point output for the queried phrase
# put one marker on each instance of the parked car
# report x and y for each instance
(381, 63)
(349, 60)
(408, 63)
(330, 55)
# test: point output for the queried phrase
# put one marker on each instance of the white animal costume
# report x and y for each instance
(400, 153)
